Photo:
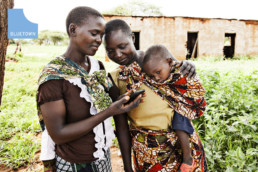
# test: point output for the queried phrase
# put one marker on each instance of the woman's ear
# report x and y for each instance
(72, 29)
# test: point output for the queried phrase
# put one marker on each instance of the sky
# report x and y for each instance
(51, 14)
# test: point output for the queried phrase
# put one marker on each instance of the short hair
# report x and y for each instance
(117, 24)
(79, 15)
(155, 50)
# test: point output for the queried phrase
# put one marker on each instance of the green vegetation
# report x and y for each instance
(228, 128)
(45, 37)
(54, 37)
(18, 118)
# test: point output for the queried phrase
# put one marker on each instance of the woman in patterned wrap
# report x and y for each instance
(150, 135)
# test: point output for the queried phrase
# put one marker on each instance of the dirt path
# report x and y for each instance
(116, 160)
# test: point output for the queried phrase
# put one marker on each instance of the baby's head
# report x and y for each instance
(157, 63)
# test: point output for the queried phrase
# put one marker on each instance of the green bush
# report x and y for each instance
(229, 125)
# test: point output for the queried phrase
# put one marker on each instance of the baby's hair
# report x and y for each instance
(79, 15)
(117, 24)
(157, 51)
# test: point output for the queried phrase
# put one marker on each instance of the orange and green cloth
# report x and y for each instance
(159, 150)
(184, 95)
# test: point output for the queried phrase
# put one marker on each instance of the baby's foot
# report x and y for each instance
(187, 167)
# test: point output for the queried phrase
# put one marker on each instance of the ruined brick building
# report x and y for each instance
(195, 37)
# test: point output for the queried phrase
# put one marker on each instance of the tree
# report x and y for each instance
(46, 37)
(56, 37)
(4, 5)
(136, 8)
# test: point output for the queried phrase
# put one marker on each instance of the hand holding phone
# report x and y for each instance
(134, 95)
(126, 102)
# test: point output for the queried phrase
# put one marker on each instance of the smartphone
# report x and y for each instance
(134, 95)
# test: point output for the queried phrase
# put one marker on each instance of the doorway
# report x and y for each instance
(229, 45)
(192, 45)
(137, 40)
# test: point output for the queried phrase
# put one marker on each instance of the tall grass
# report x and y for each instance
(229, 125)
(18, 118)
(228, 128)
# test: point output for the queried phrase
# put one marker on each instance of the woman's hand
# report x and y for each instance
(187, 68)
(54, 114)
(119, 106)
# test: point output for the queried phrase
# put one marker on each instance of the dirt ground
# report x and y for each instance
(116, 160)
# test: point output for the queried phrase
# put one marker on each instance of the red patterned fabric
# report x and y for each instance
(185, 96)
(159, 150)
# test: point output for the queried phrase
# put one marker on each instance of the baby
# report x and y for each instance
(184, 95)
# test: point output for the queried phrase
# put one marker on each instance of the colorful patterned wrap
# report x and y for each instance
(64, 68)
(159, 150)
(185, 96)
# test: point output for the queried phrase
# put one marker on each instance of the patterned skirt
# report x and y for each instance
(62, 165)
(159, 150)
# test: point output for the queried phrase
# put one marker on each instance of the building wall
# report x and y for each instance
(172, 32)
(153, 30)
(251, 43)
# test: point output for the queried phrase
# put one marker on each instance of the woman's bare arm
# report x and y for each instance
(124, 140)
(54, 115)
(122, 131)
